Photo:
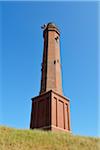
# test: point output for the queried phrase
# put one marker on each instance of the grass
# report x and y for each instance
(14, 139)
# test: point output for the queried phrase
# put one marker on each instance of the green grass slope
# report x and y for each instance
(13, 139)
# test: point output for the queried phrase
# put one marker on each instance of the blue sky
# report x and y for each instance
(21, 57)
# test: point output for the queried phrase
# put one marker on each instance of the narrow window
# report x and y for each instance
(54, 61)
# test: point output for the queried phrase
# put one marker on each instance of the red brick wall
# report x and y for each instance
(50, 111)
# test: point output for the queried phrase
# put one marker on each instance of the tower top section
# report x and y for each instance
(50, 27)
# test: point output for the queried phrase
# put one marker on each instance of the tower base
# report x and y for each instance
(50, 111)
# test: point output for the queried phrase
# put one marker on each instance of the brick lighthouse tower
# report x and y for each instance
(51, 110)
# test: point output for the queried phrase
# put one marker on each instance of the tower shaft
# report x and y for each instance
(51, 66)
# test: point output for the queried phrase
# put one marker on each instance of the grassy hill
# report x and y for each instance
(13, 139)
